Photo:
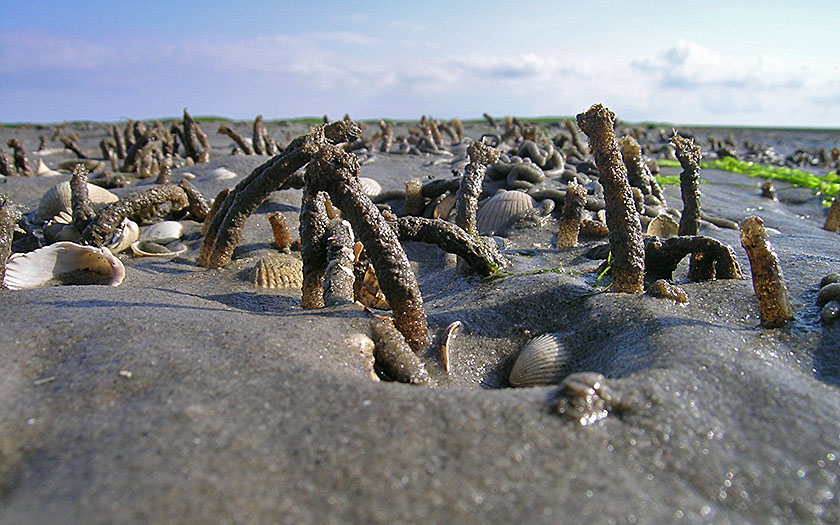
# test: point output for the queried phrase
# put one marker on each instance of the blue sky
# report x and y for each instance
(737, 63)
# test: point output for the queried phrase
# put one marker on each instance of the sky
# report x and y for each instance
(768, 63)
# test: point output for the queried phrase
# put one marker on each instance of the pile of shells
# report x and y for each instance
(829, 298)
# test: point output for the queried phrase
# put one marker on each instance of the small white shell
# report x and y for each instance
(124, 237)
(44, 171)
(543, 361)
(57, 199)
(370, 186)
(162, 232)
(36, 268)
(663, 226)
(146, 248)
(222, 174)
(499, 209)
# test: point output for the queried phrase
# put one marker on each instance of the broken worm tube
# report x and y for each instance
(768, 282)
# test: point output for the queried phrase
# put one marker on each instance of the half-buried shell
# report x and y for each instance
(370, 186)
(278, 271)
(543, 361)
(63, 263)
(501, 208)
(663, 226)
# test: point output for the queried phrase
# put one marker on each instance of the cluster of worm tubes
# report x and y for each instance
(261, 142)
(9, 216)
(768, 282)
(688, 153)
(225, 228)
(626, 243)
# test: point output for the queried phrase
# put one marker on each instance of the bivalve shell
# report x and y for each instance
(162, 232)
(127, 233)
(65, 262)
(147, 248)
(543, 361)
(222, 174)
(663, 226)
(278, 271)
(57, 199)
(44, 171)
(500, 208)
(370, 186)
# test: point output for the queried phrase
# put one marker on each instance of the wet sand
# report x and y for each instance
(243, 407)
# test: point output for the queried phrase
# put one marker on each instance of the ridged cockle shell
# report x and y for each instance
(543, 361)
(500, 208)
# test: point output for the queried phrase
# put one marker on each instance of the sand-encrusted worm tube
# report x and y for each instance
(214, 208)
(242, 143)
(258, 137)
(79, 199)
(280, 231)
(626, 242)
(21, 165)
(198, 205)
(394, 358)
(109, 218)
(832, 220)
(711, 259)
(483, 257)
(313, 249)
(338, 276)
(572, 215)
(768, 282)
(688, 153)
(9, 217)
(275, 174)
(7, 168)
(466, 204)
(119, 142)
(336, 171)
(413, 197)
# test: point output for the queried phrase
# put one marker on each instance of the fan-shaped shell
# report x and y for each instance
(162, 232)
(44, 171)
(66, 262)
(370, 186)
(222, 174)
(663, 226)
(278, 271)
(57, 199)
(543, 361)
(500, 208)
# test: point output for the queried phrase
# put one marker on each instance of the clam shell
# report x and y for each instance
(127, 234)
(499, 209)
(57, 199)
(162, 232)
(222, 174)
(543, 361)
(44, 171)
(370, 186)
(663, 226)
(278, 271)
(67, 262)
(147, 248)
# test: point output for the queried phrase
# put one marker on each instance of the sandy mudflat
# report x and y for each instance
(242, 407)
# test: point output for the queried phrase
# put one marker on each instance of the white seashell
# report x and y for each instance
(663, 226)
(187, 175)
(543, 361)
(44, 171)
(127, 234)
(499, 209)
(57, 199)
(146, 248)
(63, 261)
(370, 186)
(162, 232)
(222, 174)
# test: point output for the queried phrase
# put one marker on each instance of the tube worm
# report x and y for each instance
(275, 174)
(387, 136)
(626, 242)
(688, 153)
(280, 231)
(466, 205)
(711, 259)
(109, 218)
(119, 142)
(338, 275)
(832, 220)
(6, 167)
(242, 143)
(258, 137)
(72, 146)
(490, 120)
(638, 172)
(79, 199)
(483, 257)
(768, 282)
(199, 208)
(413, 197)
(663, 289)
(164, 168)
(572, 216)
(189, 137)
(9, 217)
(42, 142)
(21, 165)
(436, 135)
(768, 191)
(313, 252)
(394, 357)
(458, 127)
(334, 170)
(214, 208)
(446, 340)
(128, 135)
